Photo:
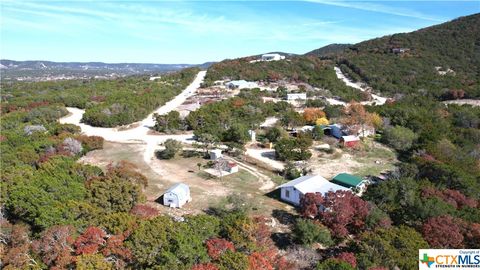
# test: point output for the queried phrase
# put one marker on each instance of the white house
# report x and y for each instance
(215, 154)
(301, 96)
(272, 57)
(241, 84)
(177, 195)
(294, 190)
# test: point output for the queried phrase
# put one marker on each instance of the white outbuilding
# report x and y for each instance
(241, 84)
(215, 154)
(294, 190)
(297, 96)
(272, 57)
(177, 195)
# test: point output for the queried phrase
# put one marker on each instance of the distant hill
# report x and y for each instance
(46, 70)
(329, 50)
(434, 61)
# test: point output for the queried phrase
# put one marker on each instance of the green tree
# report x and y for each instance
(114, 194)
(291, 118)
(398, 137)
(172, 149)
(92, 262)
(392, 248)
(274, 134)
(293, 149)
(233, 261)
(163, 243)
(334, 264)
(169, 122)
(317, 133)
(307, 232)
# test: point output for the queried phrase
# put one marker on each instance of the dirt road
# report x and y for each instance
(140, 132)
(377, 100)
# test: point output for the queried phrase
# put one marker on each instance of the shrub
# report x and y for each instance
(307, 232)
(172, 149)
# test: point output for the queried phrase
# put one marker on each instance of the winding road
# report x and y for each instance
(377, 100)
(139, 134)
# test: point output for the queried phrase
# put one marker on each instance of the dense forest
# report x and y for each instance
(433, 60)
(107, 103)
(308, 69)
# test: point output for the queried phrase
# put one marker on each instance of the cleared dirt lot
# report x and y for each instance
(374, 159)
(206, 191)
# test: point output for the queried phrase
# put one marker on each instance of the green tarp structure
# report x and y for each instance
(347, 180)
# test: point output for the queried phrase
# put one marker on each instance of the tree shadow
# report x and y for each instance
(284, 217)
(274, 194)
(159, 200)
(282, 240)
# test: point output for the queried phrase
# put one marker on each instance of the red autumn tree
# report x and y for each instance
(283, 264)
(309, 204)
(262, 234)
(55, 246)
(348, 257)
(472, 235)
(144, 211)
(17, 253)
(205, 266)
(443, 232)
(90, 241)
(257, 261)
(342, 213)
(217, 246)
(450, 196)
(116, 251)
(458, 199)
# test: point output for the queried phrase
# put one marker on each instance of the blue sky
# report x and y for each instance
(200, 31)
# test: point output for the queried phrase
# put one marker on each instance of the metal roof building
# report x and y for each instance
(177, 195)
(294, 190)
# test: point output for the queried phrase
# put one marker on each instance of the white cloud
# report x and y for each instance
(380, 8)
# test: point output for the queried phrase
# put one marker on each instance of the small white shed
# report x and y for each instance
(297, 96)
(177, 195)
(215, 154)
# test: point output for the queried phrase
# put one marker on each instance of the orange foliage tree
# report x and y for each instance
(312, 114)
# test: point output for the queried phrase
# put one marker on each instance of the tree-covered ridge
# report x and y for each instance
(329, 50)
(408, 62)
(308, 69)
(108, 103)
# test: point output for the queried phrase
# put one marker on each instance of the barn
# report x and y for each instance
(177, 195)
(294, 190)
(350, 141)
